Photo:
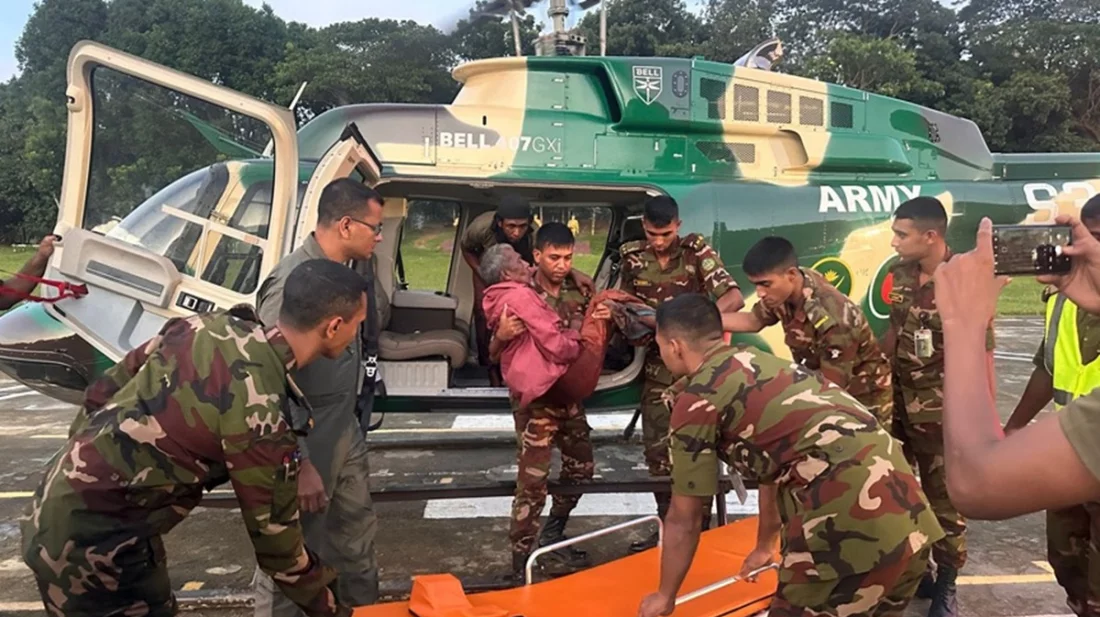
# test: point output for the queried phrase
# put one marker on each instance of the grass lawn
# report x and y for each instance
(1022, 296)
(12, 260)
(427, 261)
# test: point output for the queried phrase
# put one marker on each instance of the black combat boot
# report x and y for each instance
(663, 500)
(517, 575)
(927, 586)
(943, 596)
(554, 532)
(707, 510)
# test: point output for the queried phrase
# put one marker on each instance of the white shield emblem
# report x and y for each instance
(648, 82)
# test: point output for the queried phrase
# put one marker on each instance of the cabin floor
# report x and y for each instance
(210, 558)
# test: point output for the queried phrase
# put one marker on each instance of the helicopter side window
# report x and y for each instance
(195, 172)
(234, 263)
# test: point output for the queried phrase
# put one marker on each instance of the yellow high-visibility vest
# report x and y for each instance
(1062, 353)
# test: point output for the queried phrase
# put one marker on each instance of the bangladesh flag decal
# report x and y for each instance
(878, 296)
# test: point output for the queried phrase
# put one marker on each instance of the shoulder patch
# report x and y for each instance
(634, 246)
(821, 319)
(695, 242)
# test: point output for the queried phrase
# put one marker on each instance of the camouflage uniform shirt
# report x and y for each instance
(829, 333)
(918, 380)
(847, 497)
(482, 234)
(570, 304)
(693, 267)
(202, 403)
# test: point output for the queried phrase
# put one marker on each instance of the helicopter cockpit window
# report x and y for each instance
(181, 178)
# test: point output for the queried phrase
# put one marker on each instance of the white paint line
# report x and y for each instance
(627, 504)
(504, 422)
(14, 388)
(1012, 357)
(9, 397)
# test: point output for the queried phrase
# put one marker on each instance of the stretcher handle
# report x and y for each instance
(688, 597)
(549, 548)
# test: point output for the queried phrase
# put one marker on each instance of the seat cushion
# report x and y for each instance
(450, 344)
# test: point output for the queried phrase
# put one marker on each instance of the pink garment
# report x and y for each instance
(534, 360)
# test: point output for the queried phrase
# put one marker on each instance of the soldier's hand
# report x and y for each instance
(45, 247)
(656, 605)
(311, 491)
(509, 326)
(758, 558)
(583, 282)
(1082, 283)
(601, 313)
(966, 289)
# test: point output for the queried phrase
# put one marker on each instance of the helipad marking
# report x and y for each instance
(9, 397)
(627, 504)
(1042, 565)
(1007, 579)
(504, 422)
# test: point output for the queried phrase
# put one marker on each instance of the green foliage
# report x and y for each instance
(1026, 71)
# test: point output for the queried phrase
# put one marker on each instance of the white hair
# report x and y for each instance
(494, 263)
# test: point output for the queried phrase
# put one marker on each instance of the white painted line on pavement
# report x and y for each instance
(627, 504)
(1013, 357)
(13, 388)
(504, 422)
(9, 397)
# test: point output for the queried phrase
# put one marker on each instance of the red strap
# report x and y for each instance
(67, 290)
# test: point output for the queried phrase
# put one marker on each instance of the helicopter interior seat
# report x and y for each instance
(417, 325)
(608, 276)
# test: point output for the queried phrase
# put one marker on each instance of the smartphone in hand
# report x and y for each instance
(1030, 249)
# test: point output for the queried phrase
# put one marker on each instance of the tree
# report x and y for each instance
(647, 28)
(493, 38)
(873, 64)
(369, 61)
(735, 26)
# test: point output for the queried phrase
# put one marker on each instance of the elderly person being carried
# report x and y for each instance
(551, 337)
(551, 340)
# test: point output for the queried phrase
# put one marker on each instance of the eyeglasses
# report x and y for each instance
(377, 229)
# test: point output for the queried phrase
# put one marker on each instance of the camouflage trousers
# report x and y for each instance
(1073, 549)
(538, 429)
(655, 426)
(923, 447)
(126, 577)
(883, 592)
(880, 402)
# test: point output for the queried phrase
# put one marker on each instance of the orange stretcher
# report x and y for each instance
(613, 589)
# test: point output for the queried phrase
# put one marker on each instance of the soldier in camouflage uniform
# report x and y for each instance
(203, 403)
(656, 270)
(825, 330)
(914, 342)
(543, 423)
(854, 529)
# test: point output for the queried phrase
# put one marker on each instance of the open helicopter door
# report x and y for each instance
(350, 156)
(168, 206)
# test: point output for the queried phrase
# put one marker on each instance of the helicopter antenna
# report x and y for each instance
(603, 28)
(515, 31)
(293, 104)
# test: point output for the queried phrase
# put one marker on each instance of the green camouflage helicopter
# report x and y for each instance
(745, 150)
